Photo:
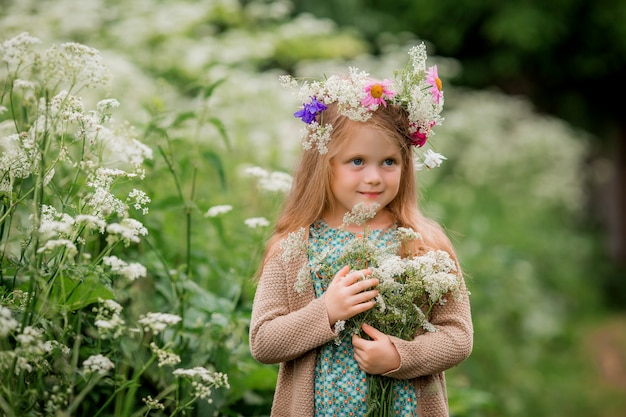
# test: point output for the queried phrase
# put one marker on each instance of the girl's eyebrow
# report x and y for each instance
(382, 157)
(395, 155)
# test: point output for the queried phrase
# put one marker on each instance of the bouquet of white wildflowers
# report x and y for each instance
(409, 287)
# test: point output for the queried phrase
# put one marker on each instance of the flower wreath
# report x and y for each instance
(416, 88)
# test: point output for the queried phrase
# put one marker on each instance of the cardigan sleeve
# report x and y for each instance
(433, 352)
(285, 324)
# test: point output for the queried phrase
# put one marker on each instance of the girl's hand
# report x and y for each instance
(346, 296)
(375, 356)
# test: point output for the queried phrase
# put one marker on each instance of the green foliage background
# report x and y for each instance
(199, 79)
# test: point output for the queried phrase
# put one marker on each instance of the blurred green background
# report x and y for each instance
(533, 193)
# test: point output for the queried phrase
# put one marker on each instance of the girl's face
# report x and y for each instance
(366, 170)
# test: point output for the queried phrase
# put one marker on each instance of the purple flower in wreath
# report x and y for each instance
(310, 110)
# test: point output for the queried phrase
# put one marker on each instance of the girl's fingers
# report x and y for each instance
(365, 284)
(355, 276)
(364, 306)
(366, 296)
(342, 273)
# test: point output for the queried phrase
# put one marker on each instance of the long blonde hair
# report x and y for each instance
(311, 196)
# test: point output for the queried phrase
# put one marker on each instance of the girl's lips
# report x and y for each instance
(371, 194)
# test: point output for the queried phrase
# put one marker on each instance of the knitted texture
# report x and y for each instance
(287, 327)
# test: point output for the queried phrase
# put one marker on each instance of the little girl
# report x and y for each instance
(359, 146)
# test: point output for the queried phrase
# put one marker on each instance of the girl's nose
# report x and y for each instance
(372, 176)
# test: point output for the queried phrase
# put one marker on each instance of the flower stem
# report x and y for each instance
(380, 398)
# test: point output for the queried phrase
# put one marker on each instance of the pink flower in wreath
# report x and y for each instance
(376, 93)
(432, 78)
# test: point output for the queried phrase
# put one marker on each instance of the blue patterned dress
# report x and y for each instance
(340, 386)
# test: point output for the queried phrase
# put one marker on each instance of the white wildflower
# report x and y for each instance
(66, 107)
(50, 228)
(165, 357)
(132, 271)
(339, 326)
(123, 147)
(23, 84)
(315, 134)
(18, 158)
(256, 172)
(98, 364)
(50, 345)
(303, 279)
(128, 230)
(108, 320)
(139, 200)
(276, 182)
(7, 322)
(429, 327)
(218, 210)
(255, 222)
(17, 50)
(433, 159)
(203, 381)
(91, 222)
(405, 234)
(102, 201)
(152, 403)
(294, 245)
(31, 340)
(53, 244)
(360, 214)
(389, 267)
(76, 64)
(105, 105)
(157, 322)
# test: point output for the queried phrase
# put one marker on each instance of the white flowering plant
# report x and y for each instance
(409, 287)
(69, 212)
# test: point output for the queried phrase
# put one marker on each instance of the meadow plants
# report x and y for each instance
(509, 195)
(71, 206)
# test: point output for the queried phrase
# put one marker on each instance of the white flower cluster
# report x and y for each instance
(17, 158)
(153, 404)
(29, 353)
(360, 214)
(203, 381)
(164, 357)
(157, 322)
(275, 181)
(7, 322)
(128, 230)
(255, 222)
(109, 320)
(82, 63)
(436, 270)
(18, 51)
(406, 234)
(218, 210)
(97, 364)
(292, 247)
(131, 271)
(139, 200)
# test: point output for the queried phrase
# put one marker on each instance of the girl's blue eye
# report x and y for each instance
(357, 161)
(389, 162)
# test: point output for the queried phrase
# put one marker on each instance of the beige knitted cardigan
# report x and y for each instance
(288, 327)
